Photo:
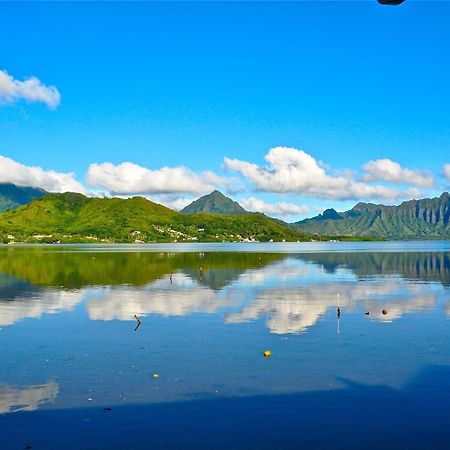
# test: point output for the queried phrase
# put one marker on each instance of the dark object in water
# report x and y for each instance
(390, 2)
(384, 312)
(107, 409)
(338, 312)
(366, 313)
(139, 321)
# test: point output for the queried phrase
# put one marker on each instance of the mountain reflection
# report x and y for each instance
(423, 266)
(292, 292)
(29, 398)
(72, 270)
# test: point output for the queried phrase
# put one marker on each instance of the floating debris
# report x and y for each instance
(267, 353)
(384, 312)
(139, 321)
(155, 376)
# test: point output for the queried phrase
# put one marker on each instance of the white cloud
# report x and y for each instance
(393, 172)
(276, 209)
(447, 171)
(129, 179)
(13, 172)
(295, 171)
(172, 201)
(30, 89)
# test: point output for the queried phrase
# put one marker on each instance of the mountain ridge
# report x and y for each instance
(12, 196)
(427, 218)
(72, 217)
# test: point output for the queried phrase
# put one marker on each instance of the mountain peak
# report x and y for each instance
(214, 203)
(331, 214)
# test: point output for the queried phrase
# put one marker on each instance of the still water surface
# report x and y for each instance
(74, 372)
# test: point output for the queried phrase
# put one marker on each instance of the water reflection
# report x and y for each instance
(291, 292)
(182, 298)
(28, 398)
(32, 303)
(294, 310)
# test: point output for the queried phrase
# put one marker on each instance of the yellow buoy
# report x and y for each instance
(155, 376)
(267, 353)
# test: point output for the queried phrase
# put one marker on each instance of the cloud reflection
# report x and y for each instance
(34, 305)
(181, 298)
(294, 310)
(293, 294)
(29, 398)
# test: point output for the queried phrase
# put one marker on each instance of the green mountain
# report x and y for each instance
(73, 217)
(214, 203)
(413, 219)
(12, 196)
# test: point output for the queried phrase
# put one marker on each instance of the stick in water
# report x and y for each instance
(139, 321)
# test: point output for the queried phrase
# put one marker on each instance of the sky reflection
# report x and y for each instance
(207, 317)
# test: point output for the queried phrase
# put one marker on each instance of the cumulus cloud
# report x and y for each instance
(393, 172)
(13, 172)
(31, 89)
(128, 179)
(173, 201)
(295, 171)
(283, 209)
(446, 171)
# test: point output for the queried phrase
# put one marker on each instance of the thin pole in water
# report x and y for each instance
(338, 314)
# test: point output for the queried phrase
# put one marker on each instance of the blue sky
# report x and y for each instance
(354, 98)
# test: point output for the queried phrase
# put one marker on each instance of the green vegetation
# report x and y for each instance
(414, 219)
(70, 218)
(54, 267)
(214, 203)
(12, 196)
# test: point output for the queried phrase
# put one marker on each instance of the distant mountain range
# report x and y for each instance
(37, 216)
(414, 219)
(73, 217)
(214, 203)
(12, 196)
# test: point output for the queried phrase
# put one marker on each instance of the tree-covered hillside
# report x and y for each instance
(73, 217)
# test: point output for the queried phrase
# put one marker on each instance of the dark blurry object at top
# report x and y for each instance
(390, 2)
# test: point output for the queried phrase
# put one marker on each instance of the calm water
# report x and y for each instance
(74, 372)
